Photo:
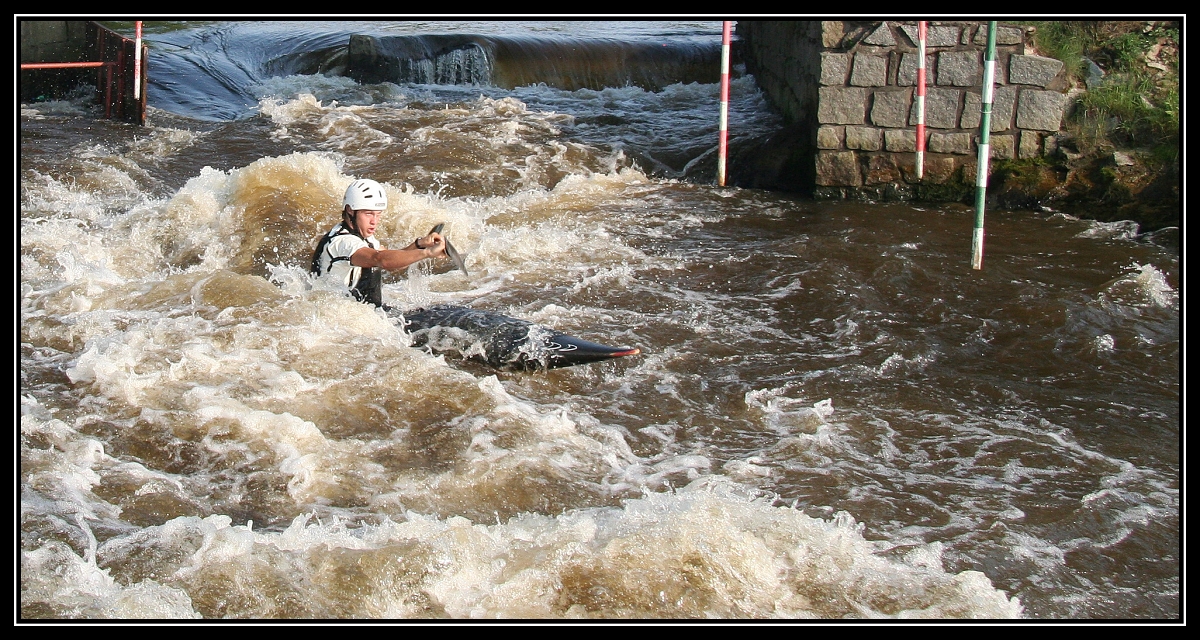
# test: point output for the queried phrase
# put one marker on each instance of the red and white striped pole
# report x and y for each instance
(721, 147)
(137, 60)
(920, 99)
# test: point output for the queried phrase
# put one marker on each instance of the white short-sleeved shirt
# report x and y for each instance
(334, 261)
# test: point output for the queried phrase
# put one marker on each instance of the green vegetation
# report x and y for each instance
(951, 191)
(1025, 172)
(1117, 156)
(1130, 70)
(1063, 41)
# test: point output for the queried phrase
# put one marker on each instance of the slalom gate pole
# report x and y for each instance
(985, 126)
(724, 133)
(920, 99)
(137, 60)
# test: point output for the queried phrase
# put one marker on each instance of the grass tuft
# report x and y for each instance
(1136, 103)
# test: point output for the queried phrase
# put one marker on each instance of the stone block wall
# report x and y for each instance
(55, 41)
(854, 85)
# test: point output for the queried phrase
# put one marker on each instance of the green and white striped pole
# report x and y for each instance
(985, 127)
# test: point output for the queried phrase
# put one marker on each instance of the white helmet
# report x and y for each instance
(365, 194)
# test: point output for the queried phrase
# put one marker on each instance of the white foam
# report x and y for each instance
(707, 550)
(74, 588)
(786, 415)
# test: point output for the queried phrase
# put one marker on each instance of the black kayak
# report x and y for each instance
(501, 341)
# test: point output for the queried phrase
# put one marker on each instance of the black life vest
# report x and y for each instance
(369, 287)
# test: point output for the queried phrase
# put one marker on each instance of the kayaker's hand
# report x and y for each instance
(432, 244)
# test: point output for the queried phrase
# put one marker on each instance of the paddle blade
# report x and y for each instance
(453, 253)
(450, 250)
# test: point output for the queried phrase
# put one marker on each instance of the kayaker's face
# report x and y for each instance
(366, 220)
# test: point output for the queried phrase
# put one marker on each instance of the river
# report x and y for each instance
(833, 416)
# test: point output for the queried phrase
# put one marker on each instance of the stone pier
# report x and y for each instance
(851, 87)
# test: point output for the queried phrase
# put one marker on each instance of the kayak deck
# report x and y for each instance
(501, 341)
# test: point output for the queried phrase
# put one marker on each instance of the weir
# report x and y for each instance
(515, 62)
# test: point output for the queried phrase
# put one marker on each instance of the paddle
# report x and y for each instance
(450, 251)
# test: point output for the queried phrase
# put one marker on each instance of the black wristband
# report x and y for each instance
(417, 244)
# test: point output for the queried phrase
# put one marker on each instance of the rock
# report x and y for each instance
(1122, 159)
(1095, 75)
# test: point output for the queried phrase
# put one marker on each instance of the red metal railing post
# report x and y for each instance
(61, 65)
(121, 79)
(108, 91)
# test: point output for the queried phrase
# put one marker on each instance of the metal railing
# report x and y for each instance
(121, 72)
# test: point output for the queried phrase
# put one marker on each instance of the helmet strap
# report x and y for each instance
(348, 220)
